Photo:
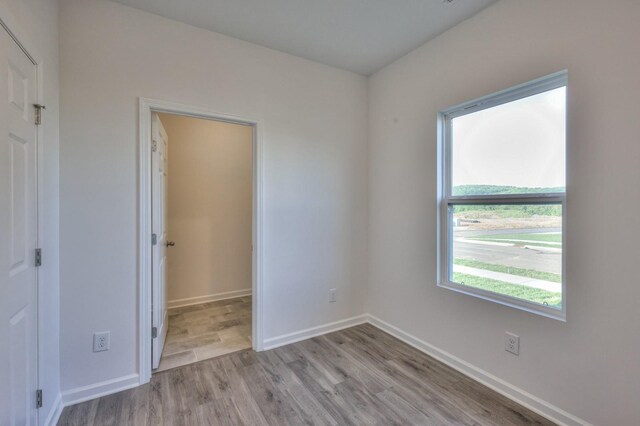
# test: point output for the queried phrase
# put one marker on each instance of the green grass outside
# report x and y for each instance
(530, 294)
(529, 273)
(520, 243)
(549, 238)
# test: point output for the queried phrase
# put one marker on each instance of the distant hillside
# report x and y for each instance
(501, 210)
(497, 189)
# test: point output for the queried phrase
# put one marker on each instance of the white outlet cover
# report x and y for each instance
(101, 341)
(332, 295)
(512, 343)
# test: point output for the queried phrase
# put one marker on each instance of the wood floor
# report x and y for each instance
(206, 330)
(357, 376)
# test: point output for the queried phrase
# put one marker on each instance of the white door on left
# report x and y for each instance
(18, 220)
(159, 170)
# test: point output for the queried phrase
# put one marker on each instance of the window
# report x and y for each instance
(502, 197)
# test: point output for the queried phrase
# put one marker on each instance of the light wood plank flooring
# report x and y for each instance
(357, 376)
(205, 331)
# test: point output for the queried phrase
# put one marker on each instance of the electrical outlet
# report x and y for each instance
(101, 341)
(332, 295)
(512, 343)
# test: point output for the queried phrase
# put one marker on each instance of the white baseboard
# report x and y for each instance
(308, 333)
(55, 412)
(178, 303)
(510, 391)
(86, 393)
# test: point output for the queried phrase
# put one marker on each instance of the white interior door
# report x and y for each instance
(18, 220)
(159, 163)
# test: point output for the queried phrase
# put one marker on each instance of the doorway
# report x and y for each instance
(201, 197)
(200, 214)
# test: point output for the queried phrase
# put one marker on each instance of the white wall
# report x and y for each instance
(315, 181)
(588, 366)
(38, 19)
(210, 191)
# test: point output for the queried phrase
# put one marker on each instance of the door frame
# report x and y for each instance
(17, 33)
(146, 108)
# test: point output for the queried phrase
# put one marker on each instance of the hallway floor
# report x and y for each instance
(205, 331)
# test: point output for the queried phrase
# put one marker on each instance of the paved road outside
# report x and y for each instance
(517, 257)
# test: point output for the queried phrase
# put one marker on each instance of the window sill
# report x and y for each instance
(512, 302)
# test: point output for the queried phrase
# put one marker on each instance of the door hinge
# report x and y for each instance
(39, 398)
(154, 239)
(38, 261)
(39, 109)
(154, 145)
(154, 332)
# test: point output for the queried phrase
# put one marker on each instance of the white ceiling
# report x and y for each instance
(357, 35)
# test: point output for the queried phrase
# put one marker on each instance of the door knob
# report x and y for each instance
(170, 243)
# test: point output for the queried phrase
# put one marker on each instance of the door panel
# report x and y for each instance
(18, 347)
(19, 210)
(18, 279)
(159, 163)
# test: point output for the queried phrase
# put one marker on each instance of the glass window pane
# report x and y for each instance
(513, 250)
(513, 148)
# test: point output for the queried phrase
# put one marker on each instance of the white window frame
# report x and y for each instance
(446, 200)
